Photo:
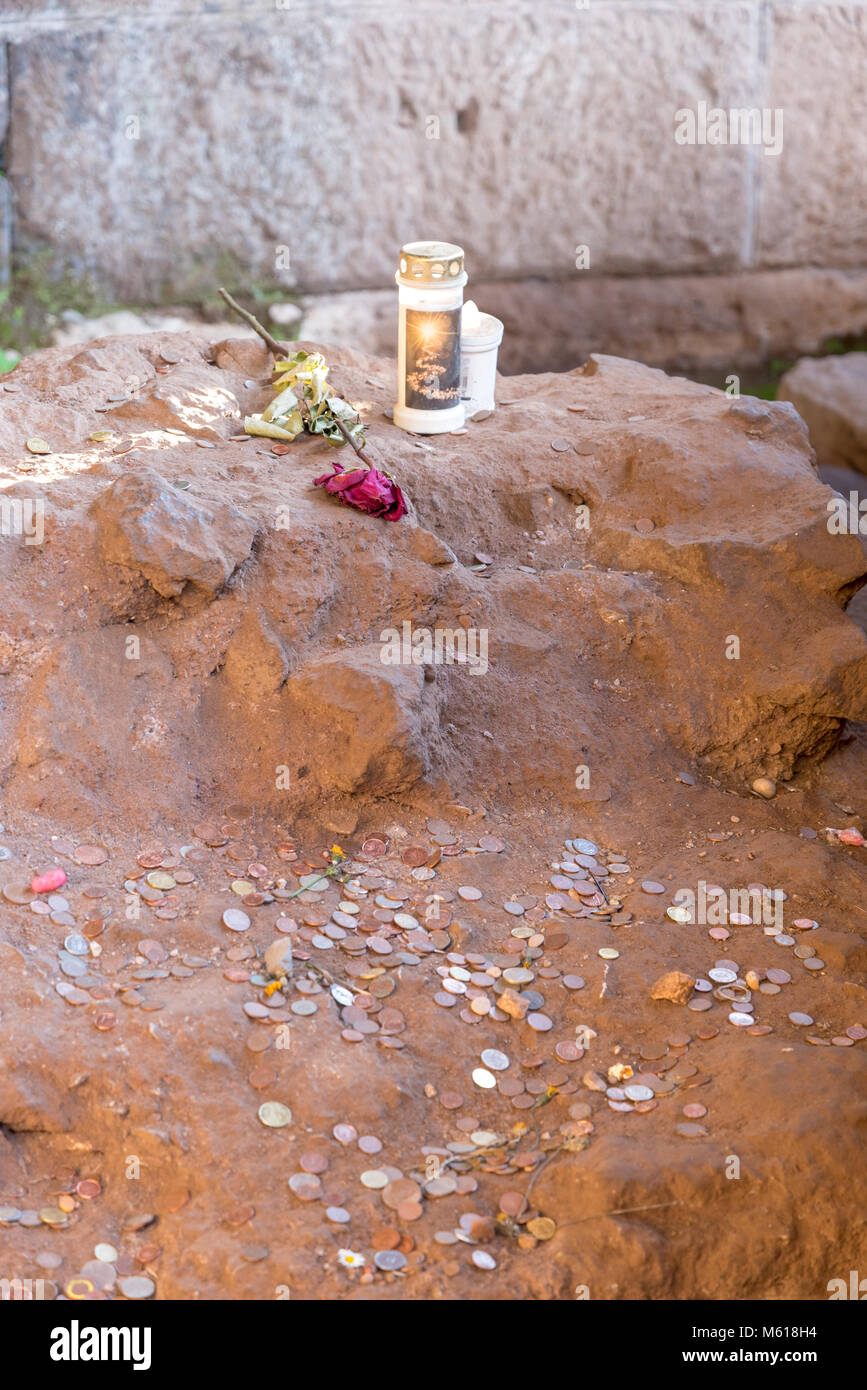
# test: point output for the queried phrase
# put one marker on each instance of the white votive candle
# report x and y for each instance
(481, 335)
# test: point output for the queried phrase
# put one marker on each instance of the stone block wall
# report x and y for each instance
(160, 144)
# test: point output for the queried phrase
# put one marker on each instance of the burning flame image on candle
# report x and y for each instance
(432, 347)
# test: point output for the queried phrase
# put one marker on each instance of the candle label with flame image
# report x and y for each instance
(433, 358)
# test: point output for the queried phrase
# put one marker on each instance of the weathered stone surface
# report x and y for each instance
(723, 323)
(147, 525)
(255, 665)
(5, 194)
(424, 545)
(369, 726)
(65, 747)
(75, 328)
(618, 73)
(615, 636)
(830, 395)
(811, 197)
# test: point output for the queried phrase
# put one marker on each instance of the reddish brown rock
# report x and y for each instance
(155, 529)
(605, 642)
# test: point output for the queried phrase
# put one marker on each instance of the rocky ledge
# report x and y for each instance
(645, 563)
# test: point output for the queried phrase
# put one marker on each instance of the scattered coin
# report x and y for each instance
(275, 1115)
(484, 1079)
(494, 1060)
(137, 1286)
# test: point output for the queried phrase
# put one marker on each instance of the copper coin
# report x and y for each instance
(856, 1032)
(512, 1203)
(19, 894)
(386, 1238)
(451, 1100)
(694, 1111)
(523, 1102)
(88, 1187)
(843, 1041)
(261, 1077)
(400, 1190)
(706, 1032)
(415, 856)
(374, 848)
(90, 854)
(510, 1086)
(313, 1162)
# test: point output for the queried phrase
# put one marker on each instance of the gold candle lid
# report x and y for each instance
(431, 263)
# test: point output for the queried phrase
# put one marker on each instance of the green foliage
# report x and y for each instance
(38, 293)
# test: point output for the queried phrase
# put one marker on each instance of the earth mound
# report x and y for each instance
(486, 1055)
(623, 558)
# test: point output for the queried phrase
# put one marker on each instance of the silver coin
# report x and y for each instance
(71, 965)
(77, 945)
(100, 1272)
(484, 1079)
(303, 1007)
(723, 976)
(374, 1178)
(305, 1182)
(679, 914)
(482, 1260)
(137, 1286)
(494, 1060)
(343, 996)
(584, 847)
(739, 1019)
(389, 1259)
(235, 919)
(638, 1093)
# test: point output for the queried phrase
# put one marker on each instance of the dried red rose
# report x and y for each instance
(367, 490)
